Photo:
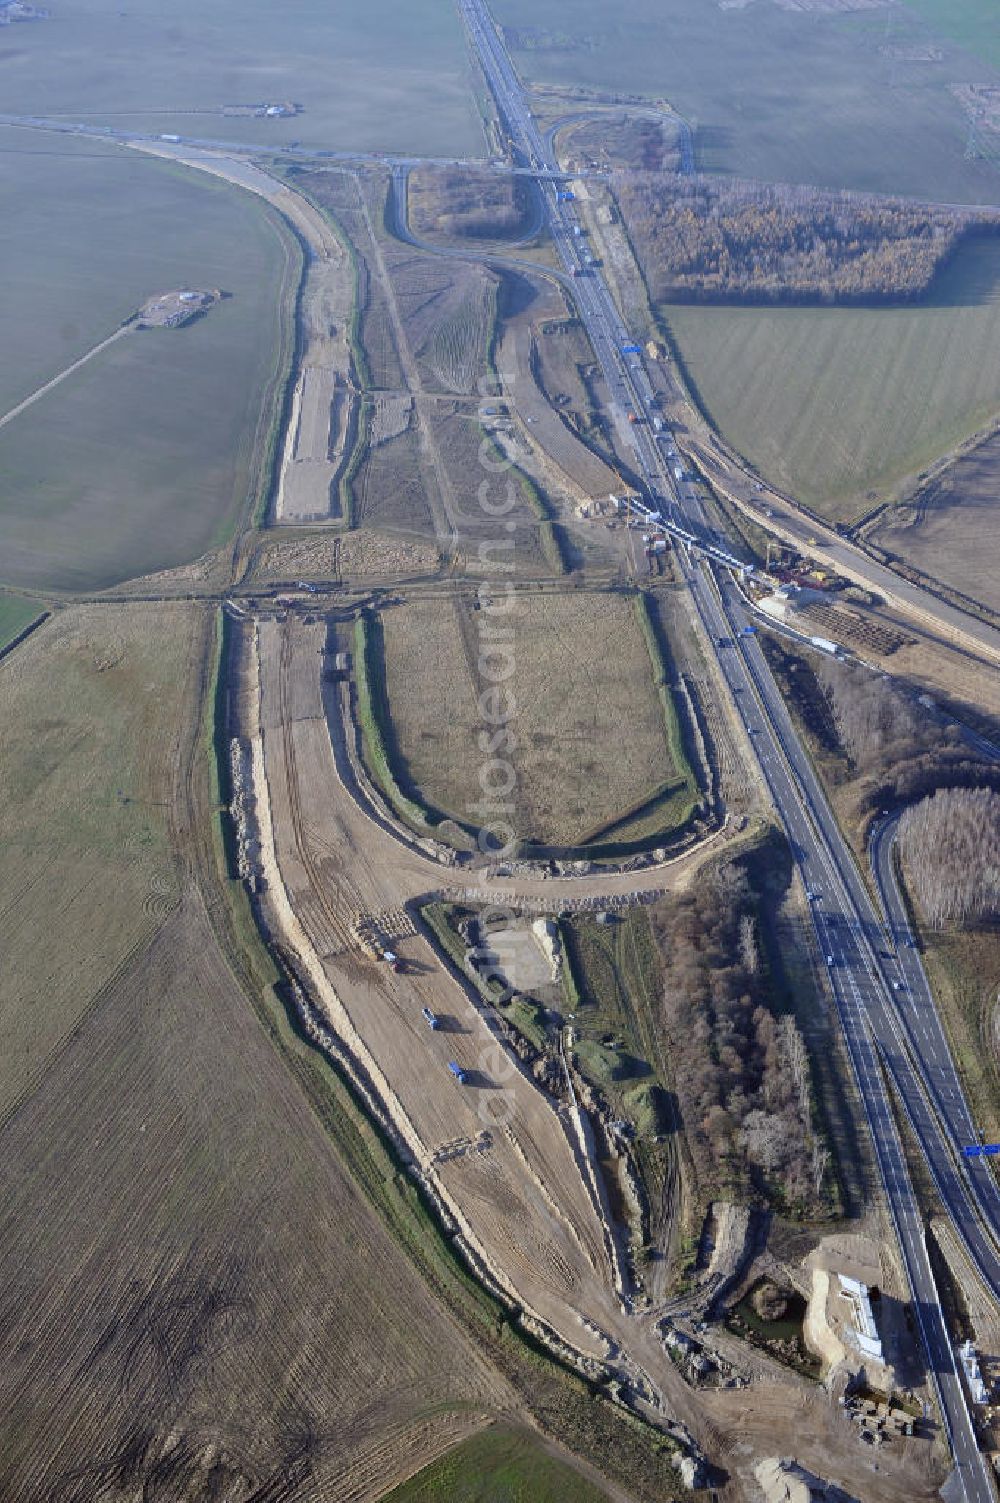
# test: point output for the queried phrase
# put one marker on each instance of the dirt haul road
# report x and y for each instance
(508, 1162)
(318, 434)
(512, 1174)
(505, 1159)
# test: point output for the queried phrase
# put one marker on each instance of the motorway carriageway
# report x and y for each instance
(632, 391)
(846, 923)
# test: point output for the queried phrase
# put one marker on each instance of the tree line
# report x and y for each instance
(877, 724)
(702, 240)
(950, 847)
(741, 1073)
(898, 749)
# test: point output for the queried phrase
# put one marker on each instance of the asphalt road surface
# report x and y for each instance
(881, 1042)
(893, 1036)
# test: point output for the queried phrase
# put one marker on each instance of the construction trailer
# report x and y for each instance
(973, 1373)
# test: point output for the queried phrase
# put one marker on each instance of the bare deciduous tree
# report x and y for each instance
(742, 1074)
(950, 847)
(875, 722)
(749, 955)
(702, 240)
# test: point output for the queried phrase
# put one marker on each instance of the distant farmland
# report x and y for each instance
(96, 707)
(839, 405)
(144, 457)
(949, 530)
(371, 74)
(973, 24)
(786, 95)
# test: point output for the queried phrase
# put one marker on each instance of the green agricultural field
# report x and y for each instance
(370, 74)
(15, 614)
(96, 708)
(144, 457)
(774, 93)
(497, 1466)
(839, 405)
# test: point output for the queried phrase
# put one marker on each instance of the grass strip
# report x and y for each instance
(373, 719)
(660, 663)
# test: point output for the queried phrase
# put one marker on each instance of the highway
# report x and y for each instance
(891, 1044)
(893, 1036)
(817, 540)
(918, 1009)
(858, 996)
(297, 152)
(862, 962)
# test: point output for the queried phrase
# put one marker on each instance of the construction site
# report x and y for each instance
(488, 1018)
(510, 1170)
(507, 1152)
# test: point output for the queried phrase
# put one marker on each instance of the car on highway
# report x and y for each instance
(830, 960)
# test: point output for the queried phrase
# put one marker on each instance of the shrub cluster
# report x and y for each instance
(897, 746)
(452, 201)
(741, 1073)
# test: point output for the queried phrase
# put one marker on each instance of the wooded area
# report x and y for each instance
(875, 723)
(950, 844)
(700, 240)
(741, 1073)
(899, 747)
(446, 201)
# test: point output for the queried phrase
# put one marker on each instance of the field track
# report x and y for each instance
(517, 1184)
(42, 391)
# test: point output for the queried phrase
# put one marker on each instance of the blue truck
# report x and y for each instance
(460, 1075)
(564, 195)
(631, 349)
